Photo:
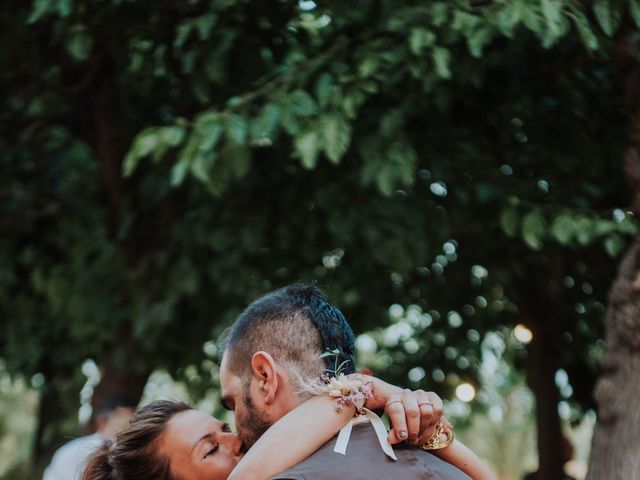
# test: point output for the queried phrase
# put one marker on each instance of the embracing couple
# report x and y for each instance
(286, 419)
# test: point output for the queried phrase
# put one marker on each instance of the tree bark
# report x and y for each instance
(58, 403)
(542, 367)
(616, 440)
(121, 377)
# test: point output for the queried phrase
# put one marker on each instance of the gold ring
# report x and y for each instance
(441, 439)
(425, 403)
(392, 402)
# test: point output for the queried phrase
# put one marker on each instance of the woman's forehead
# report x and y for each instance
(189, 426)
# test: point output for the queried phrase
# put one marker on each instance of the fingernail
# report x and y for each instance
(402, 433)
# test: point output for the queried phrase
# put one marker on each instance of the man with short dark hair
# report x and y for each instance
(273, 349)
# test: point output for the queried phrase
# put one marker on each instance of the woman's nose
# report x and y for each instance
(234, 443)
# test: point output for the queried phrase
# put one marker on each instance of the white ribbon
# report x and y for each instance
(378, 426)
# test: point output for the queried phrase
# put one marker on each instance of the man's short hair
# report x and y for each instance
(112, 402)
(295, 324)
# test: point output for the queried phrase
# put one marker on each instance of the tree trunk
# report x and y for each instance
(541, 380)
(542, 367)
(616, 440)
(58, 403)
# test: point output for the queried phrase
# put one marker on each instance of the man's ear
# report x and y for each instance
(266, 373)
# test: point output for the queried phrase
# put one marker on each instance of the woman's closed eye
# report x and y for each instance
(211, 451)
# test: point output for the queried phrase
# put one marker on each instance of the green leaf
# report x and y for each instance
(307, 145)
(290, 122)
(369, 65)
(331, 353)
(236, 128)
(204, 24)
(166, 137)
(420, 38)
(552, 12)
(628, 225)
(439, 13)
(608, 17)
(201, 164)
(179, 172)
(585, 230)
(385, 179)
(172, 136)
(64, 8)
(40, 9)
(511, 15)
(441, 59)
(603, 227)
(143, 144)
(336, 133)
(302, 103)
(208, 129)
(509, 220)
(634, 9)
(563, 229)
(182, 33)
(477, 40)
(531, 18)
(269, 119)
(403, 160)
(238, 159)
(324, 89)
(351, 103)
(533, 229)
(79, 43)
(392, 123)
(581, 22)
(129, 164)
(614, 245)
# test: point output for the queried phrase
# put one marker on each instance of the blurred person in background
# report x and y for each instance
(112, 416)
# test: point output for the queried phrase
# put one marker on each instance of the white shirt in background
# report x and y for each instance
(69, 460)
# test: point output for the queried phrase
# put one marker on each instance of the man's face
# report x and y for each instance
(251, 417)
(114, 422)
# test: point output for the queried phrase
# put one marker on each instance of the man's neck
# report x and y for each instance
(288, 402)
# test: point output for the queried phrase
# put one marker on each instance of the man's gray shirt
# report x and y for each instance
(365, 460)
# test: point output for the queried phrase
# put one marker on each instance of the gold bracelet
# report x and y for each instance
(441, 439)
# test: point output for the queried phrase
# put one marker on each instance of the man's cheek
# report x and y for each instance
(241, 429)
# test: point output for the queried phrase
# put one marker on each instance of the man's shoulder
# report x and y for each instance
(365, 459)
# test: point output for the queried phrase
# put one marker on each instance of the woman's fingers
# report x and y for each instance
(431, 410)
(394, 409)
(413, 416)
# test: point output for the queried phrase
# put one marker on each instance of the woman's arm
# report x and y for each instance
(457, 454)
(314, 422)
(461, 456)
(303, 430)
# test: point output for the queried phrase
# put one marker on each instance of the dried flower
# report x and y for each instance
(346, 390)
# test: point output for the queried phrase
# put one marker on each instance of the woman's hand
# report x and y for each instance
(413, 414)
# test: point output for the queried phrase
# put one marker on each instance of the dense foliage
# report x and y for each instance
(166, 162)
